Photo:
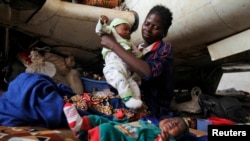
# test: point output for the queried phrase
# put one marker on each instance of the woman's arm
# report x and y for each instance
(141, 67)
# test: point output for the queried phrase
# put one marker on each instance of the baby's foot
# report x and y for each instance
(133, 103)
(74, 119)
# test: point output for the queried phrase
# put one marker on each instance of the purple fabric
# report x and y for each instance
(158, 88)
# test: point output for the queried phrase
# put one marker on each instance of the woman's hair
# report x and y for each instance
(165, 14)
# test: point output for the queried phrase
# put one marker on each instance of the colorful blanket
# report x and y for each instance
(32, 109)
(28, 133)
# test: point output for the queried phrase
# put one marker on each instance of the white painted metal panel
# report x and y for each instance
(230, 46)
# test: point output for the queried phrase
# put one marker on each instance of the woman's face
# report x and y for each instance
(174, 126)
(152, 29)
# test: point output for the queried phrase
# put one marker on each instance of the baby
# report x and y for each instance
(116, 72)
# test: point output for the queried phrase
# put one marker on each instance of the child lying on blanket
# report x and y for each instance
(96, 128)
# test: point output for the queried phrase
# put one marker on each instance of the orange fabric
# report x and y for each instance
(103, 3)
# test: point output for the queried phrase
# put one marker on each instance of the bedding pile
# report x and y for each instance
(34, 99)
(32, 108)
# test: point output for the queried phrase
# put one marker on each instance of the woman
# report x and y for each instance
(156, 65)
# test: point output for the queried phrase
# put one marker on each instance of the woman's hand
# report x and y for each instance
(108, 41)
(139, 66)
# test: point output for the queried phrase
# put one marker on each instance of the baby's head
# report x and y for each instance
(122, 27)
(176, 127)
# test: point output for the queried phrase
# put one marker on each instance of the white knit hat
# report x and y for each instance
(118, 21)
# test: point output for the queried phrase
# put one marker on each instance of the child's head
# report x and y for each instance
(176, 127)
(122, 27)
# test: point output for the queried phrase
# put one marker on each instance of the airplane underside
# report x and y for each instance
(206, 35)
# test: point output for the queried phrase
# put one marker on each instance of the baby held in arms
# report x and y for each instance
(116, 71)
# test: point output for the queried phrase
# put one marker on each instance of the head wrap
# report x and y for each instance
(118, 21)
